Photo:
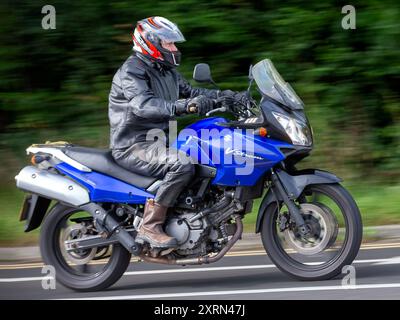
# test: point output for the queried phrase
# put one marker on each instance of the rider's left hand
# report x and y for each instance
(242, 96)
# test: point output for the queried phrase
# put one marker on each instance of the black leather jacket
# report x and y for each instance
(144, 96)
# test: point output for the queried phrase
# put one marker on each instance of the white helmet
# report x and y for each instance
(147, 38)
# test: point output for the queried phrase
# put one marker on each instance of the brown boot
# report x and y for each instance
(151, 230)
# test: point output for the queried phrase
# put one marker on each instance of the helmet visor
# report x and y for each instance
(171, 36)
(163, 29)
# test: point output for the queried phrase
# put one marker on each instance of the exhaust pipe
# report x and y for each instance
(57, 187)
(200, 260)
(52, 186)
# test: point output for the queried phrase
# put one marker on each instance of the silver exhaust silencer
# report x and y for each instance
(52, 186)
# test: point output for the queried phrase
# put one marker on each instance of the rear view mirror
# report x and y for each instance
(251, 72)
(202, 73)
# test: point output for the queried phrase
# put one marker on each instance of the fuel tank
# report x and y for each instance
(240, 156)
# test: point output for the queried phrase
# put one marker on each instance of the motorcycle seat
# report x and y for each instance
(101, 160)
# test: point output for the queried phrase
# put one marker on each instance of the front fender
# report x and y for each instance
(294, 186)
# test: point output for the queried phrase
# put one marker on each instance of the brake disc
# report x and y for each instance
(332, 221)
(323, 230)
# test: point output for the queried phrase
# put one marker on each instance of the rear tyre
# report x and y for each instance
(336, 242)
(82, 270)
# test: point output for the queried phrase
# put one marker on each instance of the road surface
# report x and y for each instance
(239, 276)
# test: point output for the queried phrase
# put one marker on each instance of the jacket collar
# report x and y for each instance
(152, 64)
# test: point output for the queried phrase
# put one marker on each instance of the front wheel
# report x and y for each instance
(335, 233)
(82, 270)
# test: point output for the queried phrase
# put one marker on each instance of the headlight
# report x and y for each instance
(299, 132)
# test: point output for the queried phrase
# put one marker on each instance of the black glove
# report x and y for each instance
(242, 96)
(200, 105)
(181, 107)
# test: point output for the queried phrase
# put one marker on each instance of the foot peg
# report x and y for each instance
(166, 252)
(145, 240)
(156, 252)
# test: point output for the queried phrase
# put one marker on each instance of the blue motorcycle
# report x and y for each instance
(309, 224)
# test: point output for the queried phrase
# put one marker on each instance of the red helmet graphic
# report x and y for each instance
(151, 34)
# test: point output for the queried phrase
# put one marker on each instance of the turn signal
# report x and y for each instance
(36, 159)
(261, 132)
(33, 160)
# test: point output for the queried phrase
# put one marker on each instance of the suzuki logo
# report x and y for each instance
(237, 152)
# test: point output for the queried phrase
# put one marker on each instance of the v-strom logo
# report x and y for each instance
(237, 152)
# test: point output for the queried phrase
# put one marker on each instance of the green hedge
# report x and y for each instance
(54, 83)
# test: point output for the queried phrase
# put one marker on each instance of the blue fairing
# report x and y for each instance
(240, 157)
(103, 188)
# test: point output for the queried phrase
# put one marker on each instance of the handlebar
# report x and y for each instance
(228, 104)
(231, 105)
(193, 107)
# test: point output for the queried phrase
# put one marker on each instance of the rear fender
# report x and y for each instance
(33, 211)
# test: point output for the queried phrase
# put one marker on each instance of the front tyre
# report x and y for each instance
(82, 270)
(334, 221)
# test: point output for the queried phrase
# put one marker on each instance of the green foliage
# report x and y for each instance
(54, 83)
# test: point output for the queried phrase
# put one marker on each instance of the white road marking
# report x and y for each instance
(367, 246)
(236, 292)
(258, 266)
(394, 260)
(25, 279)
(166, 271)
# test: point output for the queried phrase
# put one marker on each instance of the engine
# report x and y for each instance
(191, 236)
(205, 231)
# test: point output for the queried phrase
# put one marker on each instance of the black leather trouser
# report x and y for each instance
(154, 159)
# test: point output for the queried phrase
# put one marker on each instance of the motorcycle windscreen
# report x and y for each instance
(271, 83)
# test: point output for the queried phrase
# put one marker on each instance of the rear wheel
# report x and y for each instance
(334, 221)
(82, 270)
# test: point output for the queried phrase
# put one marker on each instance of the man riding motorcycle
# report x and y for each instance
(146, 93)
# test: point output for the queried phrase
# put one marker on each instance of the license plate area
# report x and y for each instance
(33, 211)
(23, 215)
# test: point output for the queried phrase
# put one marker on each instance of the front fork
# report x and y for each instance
(294, 210)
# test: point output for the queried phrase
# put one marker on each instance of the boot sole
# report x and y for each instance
(144, 239)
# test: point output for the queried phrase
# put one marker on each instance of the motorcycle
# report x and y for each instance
(310, 225)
